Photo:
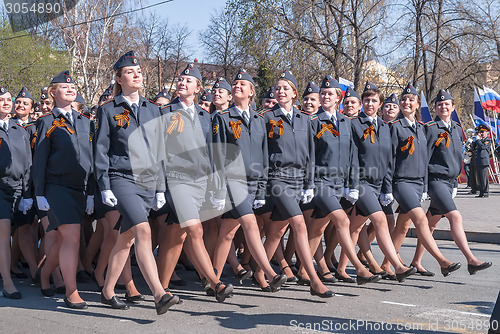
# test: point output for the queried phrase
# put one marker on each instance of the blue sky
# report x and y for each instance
(194, 13)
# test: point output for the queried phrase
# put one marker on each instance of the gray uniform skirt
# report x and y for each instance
(100, 209)
(9, 200)
(440, 192)
(242, 195)
(368, 201)
(327, 199)
(67, 205)
(408, 194)
(134, 202)
(185, 199)
(286, 198)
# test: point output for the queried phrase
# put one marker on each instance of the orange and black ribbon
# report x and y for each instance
(369, 132)
(443, 136)
(61, 123)
(123, 117)
(279, 124)
(34, 140)
(177, 121)
(330, 128)
(409, 146)
(1, 140)
(236, 127)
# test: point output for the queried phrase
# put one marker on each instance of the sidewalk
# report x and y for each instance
(481, 217)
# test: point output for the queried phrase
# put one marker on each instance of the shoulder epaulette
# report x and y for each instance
(355, 117)
(460, 125)
(45, 115)
(420, 122)
(430, 123)
(84, 115)
(108, 101)
(263, 111)
(260, 115)
(303, 112)
(314, 117)
(30, 124)
(225, 111)
(395, 121)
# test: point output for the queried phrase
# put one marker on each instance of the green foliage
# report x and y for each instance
(27, 61)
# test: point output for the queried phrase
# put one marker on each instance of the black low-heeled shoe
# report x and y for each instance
(114, 302)
(326, 294)
(277, 282)
(472, 269)
(47, 292)
(134, 299)
(166, 302)
(382, 273)
(224, 293)
(13, 295)
(243, 274)
(372, 279)
(451, 268)
(76, 306)
(423, 272)
(401, 277)
(303, 281)
(345, 279)
(326, 279)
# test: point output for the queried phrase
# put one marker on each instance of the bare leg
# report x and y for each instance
(5, 259)
(68, 259)
(171, 241)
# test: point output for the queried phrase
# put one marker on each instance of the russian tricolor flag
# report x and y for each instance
(424, 109)
(490, 100)
(344, 83)
(480, 118)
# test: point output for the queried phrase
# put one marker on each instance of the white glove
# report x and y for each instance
(27, 203)
(258, 203)
(346, 192)
(454, 193)
(159, 201)
(386, 199)
(42, 203)
(424, 197)
(89, 209)
(218, 204)
(108, 198)
(353, 196)
(307, 195)
(469, 141)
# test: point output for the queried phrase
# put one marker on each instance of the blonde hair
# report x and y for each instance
(52, 88)
(293, 87)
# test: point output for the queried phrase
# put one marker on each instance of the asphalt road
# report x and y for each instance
(459, 303)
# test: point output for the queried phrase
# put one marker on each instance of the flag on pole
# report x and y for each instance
(490, 100)
(424, 109)
(344, 83)
(481, 118)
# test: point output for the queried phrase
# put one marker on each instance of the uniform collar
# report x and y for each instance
(120, 99)
(368, 119)
(406, 122)
(443, 125)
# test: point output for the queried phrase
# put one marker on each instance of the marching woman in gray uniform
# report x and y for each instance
(128, 173)
(333, 173)
(61, 167)
(188, 167)
(291, 175)
(239, 130)
(410, 174)
(372, 137)
(444, 145)
(15, 163)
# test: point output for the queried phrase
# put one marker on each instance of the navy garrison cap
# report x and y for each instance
(311, 88)
(349, 92)
(43, 94)
(330, 82)
(392, 99)
(207, 96)
(3, 90)
(127, 59)
(443, 96)
(25, 93)
(62, 77)
(369, 86)
(222, 83)
(193, 71)
(287, 74)
(243, 75)
(163, 93)
(79, 99)
(270, 94)
(409, 89)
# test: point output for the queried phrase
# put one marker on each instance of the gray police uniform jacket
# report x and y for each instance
(482, 151)
(187, 142)
(291, 147)
(444, 147)
(374, 152)
(129, 145)
(63, 151)
(232, 136)
(334, 150)
(15, 159)
(409, 149)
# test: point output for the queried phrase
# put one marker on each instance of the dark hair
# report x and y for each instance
(371, 92)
